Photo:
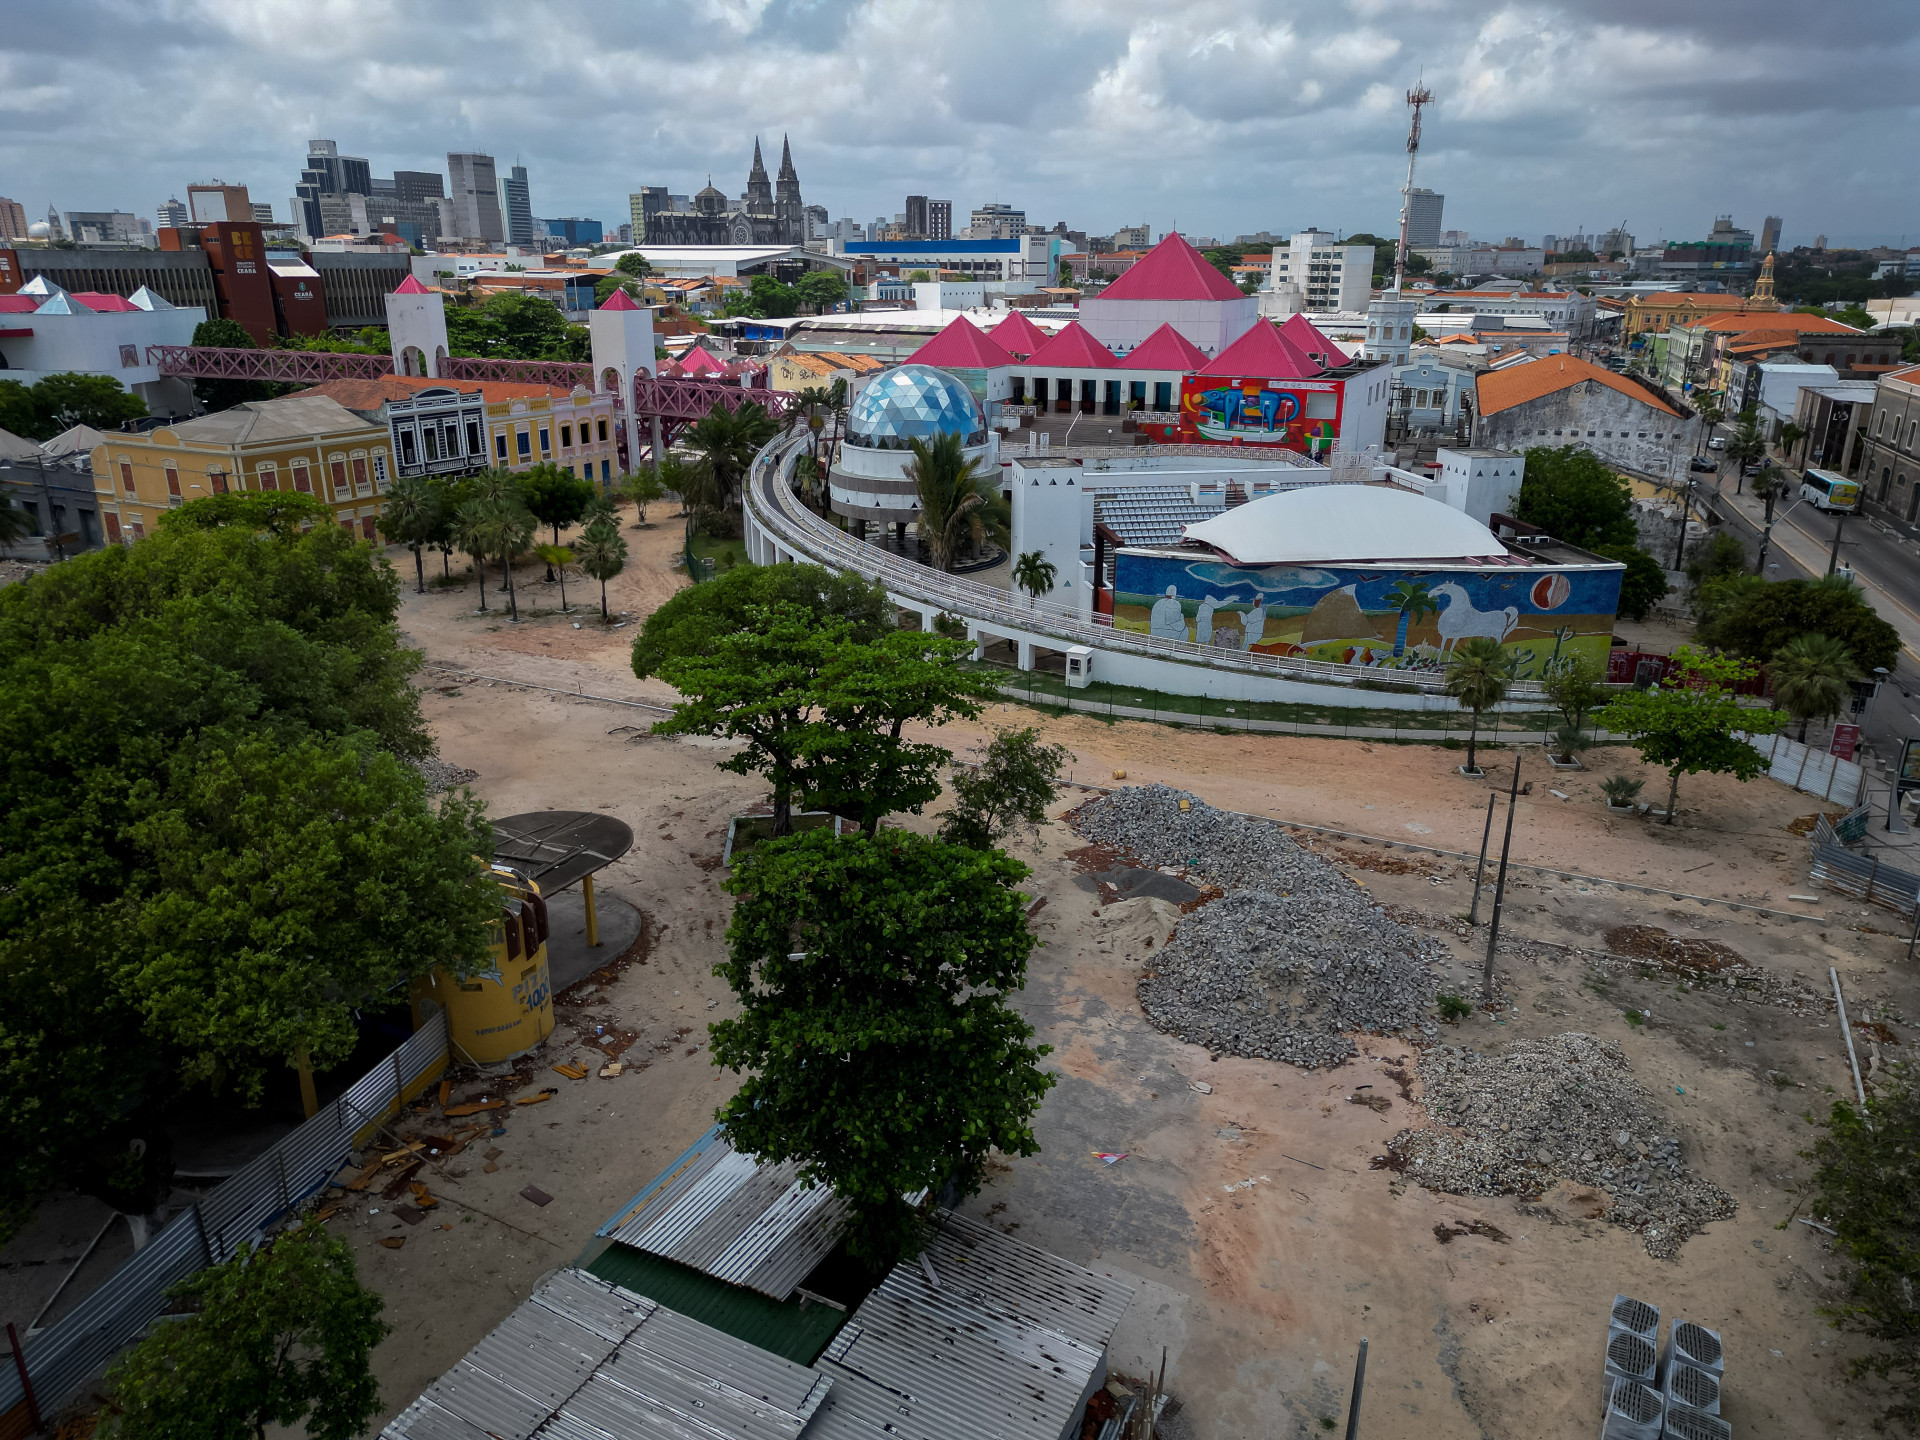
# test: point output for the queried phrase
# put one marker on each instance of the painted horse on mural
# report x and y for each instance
(1459, 620)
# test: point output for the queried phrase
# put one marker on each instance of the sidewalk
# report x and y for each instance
(1811, 556)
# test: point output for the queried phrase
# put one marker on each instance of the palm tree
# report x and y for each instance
(410, 516)
(1477, 678)
(15, 523)
(956, 501)
(725, 442)
(516, 535)
(1810, 678)
(603, 555)
(558, 557)
(1034, 573)
(1412, 599)
(473, 532)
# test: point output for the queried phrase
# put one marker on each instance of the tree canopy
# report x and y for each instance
(554, 496)
(1754, 618)
(1013, 781)
(694, 619)
(1571, 495)
(211, 851)
(278, 1335)
(55, 403)
(515, 326)
(223, 334)
(822, 289)
(875, 1035)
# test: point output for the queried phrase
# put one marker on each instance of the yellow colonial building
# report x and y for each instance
(306, 443)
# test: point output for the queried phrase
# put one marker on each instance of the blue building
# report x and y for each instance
(574, 231)
(1426, 395)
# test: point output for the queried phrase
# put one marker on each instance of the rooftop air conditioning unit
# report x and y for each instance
(1634, 1412)
(1693, 1387)
(1686, 1423)
(1635, 1315)
(1694, 1345)
(1629, 1357)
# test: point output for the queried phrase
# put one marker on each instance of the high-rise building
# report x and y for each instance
(571, 230)
(262, 212)
(915, 218)
(103, 227)
(13, 219)
(518, 207)
(327, 172)
(1133, 237)
(216, 201)
(995, 221)
(417, 187)
(818, 222)
(1423, 217)
(1770, 235)
(643, 204)
(475, 191)
(939, 219)
(173, 213)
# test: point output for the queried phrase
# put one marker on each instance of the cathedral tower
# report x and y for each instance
(788, 208)
(759, 197)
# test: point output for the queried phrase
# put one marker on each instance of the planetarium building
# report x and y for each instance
(895, 408)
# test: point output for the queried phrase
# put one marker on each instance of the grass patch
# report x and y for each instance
(1634, 1017)
(1454, 1007)
(706, 547)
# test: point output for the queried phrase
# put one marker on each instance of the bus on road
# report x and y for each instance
(1830, 491)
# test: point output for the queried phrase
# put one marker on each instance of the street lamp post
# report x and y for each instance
(1833, 559)
(1686, 505)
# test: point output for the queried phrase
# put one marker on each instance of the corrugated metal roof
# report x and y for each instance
(1004, 1348)
(793, 1329)
(734, 1218)
(583, 1359)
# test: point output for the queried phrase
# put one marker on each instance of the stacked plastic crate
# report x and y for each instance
(1652, 1392)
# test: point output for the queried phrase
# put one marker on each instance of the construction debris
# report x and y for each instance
(1295, 958)
(1543, 1111)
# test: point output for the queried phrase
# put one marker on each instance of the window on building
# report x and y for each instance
(113, 527)
(546, 442)
(126, 476)
(300, 480)
(430, 439)
(217, 481)
(475, 445)
(450, 438)
(601, 426)
(361, 484)
(173, 479)
(408, 450)
(606, 471)
(268, 476)
(500, 446)
(525, 443)
(338, 469)
(139, 527)
(380, 473)
(566, 437)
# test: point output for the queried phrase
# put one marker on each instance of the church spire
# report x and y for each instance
(786, 160)
(1763, 297)
(759, 171)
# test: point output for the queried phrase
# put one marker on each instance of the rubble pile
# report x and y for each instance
(1543, 1111)
(439, 775)
(1295, 957)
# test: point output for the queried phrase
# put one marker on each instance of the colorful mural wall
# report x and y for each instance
(1388, 617)
(1302, 415)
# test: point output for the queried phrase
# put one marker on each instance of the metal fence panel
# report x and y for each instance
(1811, 771)
(64, 1356)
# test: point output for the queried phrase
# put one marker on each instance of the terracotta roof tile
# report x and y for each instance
(1503, 389)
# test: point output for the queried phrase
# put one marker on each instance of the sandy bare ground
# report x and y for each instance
(1264, 1243)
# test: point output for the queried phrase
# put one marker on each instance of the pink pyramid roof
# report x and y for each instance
(961, 346)
(1173, 270)
(1166, 349)
(411, 286)
(1265, 352)
(1304, 333)
(104, 304)
(1074, 348)
(620, 300)
(698, 362)
(1018, 335)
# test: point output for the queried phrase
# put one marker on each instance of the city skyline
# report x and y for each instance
(1242, 118)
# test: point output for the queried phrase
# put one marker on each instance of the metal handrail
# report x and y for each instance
(778, 508)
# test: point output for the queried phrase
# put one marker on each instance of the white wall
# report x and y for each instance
(1363, 410)
(1051, 513)
(91, 345)
(1481, 483)
(1213, 325)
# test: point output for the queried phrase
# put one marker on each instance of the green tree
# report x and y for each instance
(1645, 583)
(15, 523)
(1034, 573)
(557, 558)
(278, 1335)
(1811, 675)
(555, 497)
(1790, 436)
(956, 501)
(477, 530)
(822, 289)
(767, 298)
(1747, 445)
(644, 488)
(693, 621)
(1573, 496)
(411, 517)
(1689, 723)
(17, 415)
(605, 286)
(1714, 557)
(602, 553)
(1413, 600)
(857, 762)
(216, 395)
(1753, 618)
(1865, 1186)
(1575, 687)
(635, 264)
(100, 401)
(1014, 779)
(515, 326)
(724, 443)
(855, 961)
(1477, 679)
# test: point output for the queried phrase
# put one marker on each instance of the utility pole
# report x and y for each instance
(1419, 98)
(1833, 560)
(1500, 889)
(1686, 506)
(1480, 870)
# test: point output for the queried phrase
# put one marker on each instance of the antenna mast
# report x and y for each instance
(1418, 98)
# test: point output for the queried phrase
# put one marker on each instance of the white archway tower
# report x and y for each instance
(417, 329)
(622, 331)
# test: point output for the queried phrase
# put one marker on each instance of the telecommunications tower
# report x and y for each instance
(1418, 99)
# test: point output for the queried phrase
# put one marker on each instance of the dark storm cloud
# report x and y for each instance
(1225, 115)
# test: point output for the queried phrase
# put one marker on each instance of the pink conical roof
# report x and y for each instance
(411, 286)
(961, 346)
(1265, 352)
(698, 362)
(1074, 348)
(1018, 335)
(620, 300)
(1173, 270)
(1166, 349)
(1304, 333)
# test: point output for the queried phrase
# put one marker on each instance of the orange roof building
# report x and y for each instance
(1560, 400)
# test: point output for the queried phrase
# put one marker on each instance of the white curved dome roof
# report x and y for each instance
(1320, 523)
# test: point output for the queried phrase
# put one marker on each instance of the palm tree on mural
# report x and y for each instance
(1412, 600)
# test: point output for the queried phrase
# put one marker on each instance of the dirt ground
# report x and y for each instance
(1263, 1242)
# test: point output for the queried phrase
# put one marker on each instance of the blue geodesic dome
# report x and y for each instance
(914, 402)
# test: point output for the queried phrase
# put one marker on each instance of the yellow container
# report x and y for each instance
(504, 1011)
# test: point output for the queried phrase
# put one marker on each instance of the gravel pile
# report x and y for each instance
(1294, 958)
(442, 776)
(1542, 1111)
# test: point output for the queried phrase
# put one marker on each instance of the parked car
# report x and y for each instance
(1702, 462)
(1717, 442)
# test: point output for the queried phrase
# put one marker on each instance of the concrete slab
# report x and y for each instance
(569, 959)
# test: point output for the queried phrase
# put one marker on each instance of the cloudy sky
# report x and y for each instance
(1220, 118)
